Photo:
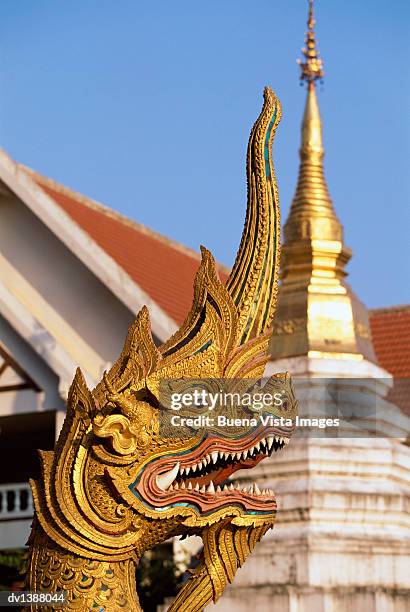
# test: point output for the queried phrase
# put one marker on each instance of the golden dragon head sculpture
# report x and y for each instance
(118, 483)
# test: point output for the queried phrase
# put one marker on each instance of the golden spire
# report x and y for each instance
(317, 314)
(312, 212)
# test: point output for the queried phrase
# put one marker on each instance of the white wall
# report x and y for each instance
(62, 280)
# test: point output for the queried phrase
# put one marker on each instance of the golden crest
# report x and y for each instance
(117, 483)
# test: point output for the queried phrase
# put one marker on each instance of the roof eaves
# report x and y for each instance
(22, 183)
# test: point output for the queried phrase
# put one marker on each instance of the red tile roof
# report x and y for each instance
(163, 268)
(391, 340)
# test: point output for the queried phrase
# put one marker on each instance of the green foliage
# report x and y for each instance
(10, 563)
(157, 577)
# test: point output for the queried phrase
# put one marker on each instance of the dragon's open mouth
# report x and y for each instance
(200, 477)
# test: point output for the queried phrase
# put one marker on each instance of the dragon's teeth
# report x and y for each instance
(190, 486)
(214, 456)
(226, 456)
(231, 487)
(176, 487)
(270, 442)
(238, 456)
(286, 440)
(256, 489)
(218, 489)
(258, 446)
(245, 490)
(225, 488)
(245, 454)
(202, 489)
(193, 467)
(211, 488)
(196, 487)
(164, 481)
(183, 485)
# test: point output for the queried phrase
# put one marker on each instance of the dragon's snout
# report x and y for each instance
(200, 478)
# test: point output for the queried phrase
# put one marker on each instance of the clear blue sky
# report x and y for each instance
(147, 106)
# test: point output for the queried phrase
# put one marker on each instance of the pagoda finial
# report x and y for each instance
(312, 67)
